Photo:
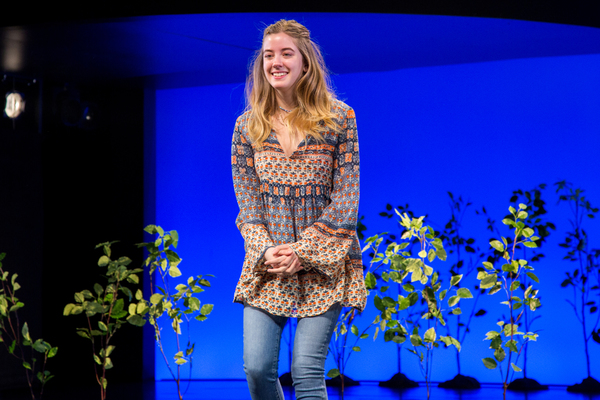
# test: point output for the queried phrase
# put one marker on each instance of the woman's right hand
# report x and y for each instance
(282, 260)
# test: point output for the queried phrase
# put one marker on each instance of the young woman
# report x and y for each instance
(295, 168)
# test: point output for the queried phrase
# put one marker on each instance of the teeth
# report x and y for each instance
(279, 73)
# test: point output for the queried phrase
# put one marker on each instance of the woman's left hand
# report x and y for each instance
(285, 263)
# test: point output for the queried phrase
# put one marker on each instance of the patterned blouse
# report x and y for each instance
(310, 201)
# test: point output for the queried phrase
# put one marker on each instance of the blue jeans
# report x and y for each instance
(262, 337)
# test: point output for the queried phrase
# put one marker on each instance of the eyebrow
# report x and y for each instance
(284, 49)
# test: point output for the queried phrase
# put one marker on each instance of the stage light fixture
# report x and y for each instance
(15, 104)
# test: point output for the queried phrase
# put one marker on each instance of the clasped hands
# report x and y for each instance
(282, 260)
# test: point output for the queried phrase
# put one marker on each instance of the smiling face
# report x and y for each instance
(283, 63)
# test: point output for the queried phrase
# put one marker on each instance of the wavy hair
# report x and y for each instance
(313, 90)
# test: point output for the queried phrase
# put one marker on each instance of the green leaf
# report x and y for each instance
(136, 320)
(52, 352)
(527, 232)
(422, 254)
(84, 333)
(108, 363)
(127, 292)
(403, 303)
(79, 297)
(354, 329)
(517, 369)
(333, 373)
(26, 365)
(415, 340)
(530, 244)
(431, 255)
(378, 303)
(98, 289)
(508, 221)
(370, 281)
(93, 307)
(496, 244)
(430, 335)
(515, 285)
(441, 253)
(206, 309)
(25, 332)
(192, 303)
(118, 307)
(355, 348)
(388, 301)
(408, 287)
(174, 272)
(156, 298)
(97, 360)
(453, 300)
(102, 326)
(455, 279)
(500, 354)
(139, 295)
(457, 311)
(489, 363)
(464, 293)
(427, 270)
(68, 309)
(512, 345)
(533, 277)
(488, 281)
(103, 261)
(39, 346)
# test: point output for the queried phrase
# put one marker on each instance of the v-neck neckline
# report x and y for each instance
(281, 147)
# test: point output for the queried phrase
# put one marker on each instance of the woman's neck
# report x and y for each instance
(286, 102)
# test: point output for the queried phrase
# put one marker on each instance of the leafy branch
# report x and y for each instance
(507, 279)
(16, 338)
(402, 266)
(106, 311)
(180, 306)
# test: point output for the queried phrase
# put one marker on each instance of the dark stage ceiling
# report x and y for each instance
(177, 45)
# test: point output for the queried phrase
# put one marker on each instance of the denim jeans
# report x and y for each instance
(262, 337)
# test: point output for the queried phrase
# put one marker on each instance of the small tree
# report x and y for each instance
(107, 309)
(537, 220)
(181, 305)
(585, 278)
(399, 380)
(338, 347)
(17, 339)
(507, 279)
(401, 266)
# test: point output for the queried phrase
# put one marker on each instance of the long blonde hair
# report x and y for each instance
(313, 91)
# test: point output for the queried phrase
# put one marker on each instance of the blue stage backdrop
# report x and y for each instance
(479, 130)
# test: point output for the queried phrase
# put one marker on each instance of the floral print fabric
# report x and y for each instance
(310, 201)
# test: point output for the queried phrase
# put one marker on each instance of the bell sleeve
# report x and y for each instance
(325, 245)
(250, 220)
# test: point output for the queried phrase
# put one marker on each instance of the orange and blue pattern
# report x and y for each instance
(309, 201)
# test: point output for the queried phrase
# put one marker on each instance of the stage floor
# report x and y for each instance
(237, 390)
